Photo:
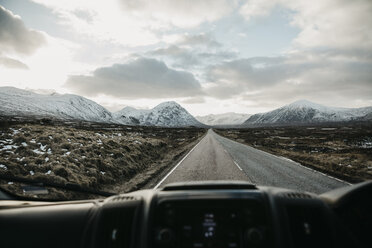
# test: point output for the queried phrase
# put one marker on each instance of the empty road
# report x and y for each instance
(219, 158)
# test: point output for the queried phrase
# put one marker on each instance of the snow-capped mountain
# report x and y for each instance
(303, 112)
(130, 114)
(17, 102)
(22, 103)
(166, 114)
(230, 118)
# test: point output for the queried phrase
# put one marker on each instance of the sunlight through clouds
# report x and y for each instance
(247, 52)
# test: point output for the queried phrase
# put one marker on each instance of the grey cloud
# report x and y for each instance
(193, 100)
(169, 51)
(332, 94)
(139, 78)
(84, 15)
(12, 63)
(221, 55)
(181, 57)
(180, 13)
(199, 39)
(15, 37)
(279, 80)
(249, 74)
(191, 57)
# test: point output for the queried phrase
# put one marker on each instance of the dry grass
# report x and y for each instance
(342, 151)
(96, 156)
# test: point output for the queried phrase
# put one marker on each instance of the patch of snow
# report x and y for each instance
(32, 173)
(8, 147)
(38, 152)
(3, 166)
(46, 159)
(15, 131)
(43, 148)
(328, 128)
(24, 144)
(48, 172)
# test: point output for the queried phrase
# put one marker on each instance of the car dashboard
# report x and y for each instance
(198, 215)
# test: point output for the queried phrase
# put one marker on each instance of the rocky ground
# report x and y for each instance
(97, 156)
(341, 151)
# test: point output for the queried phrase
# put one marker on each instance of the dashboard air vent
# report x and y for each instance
(120, 198)
(297, 195)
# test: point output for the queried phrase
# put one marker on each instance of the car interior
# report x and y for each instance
(194, 214)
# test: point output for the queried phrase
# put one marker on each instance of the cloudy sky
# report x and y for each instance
(211, 56)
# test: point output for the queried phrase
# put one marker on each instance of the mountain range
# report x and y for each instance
(22, 103)
(306, 112)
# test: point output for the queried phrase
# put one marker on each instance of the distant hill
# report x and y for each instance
(306, 112)
(23, 103)
(230, 118)
(166, 114)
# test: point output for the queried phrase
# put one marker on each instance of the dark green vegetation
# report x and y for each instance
(341, 151)
(98, 156)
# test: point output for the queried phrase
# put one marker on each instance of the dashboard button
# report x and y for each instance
(254, 236)
(165, 236)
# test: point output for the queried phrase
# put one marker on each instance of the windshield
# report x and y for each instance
(106, 97)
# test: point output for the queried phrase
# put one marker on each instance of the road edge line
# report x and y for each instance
(313, 170)
(290, 160)
(175, 167)
(237, 165)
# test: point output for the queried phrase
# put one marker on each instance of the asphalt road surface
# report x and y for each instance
(219, 158)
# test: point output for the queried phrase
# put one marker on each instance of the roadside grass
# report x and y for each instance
(98, 156)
